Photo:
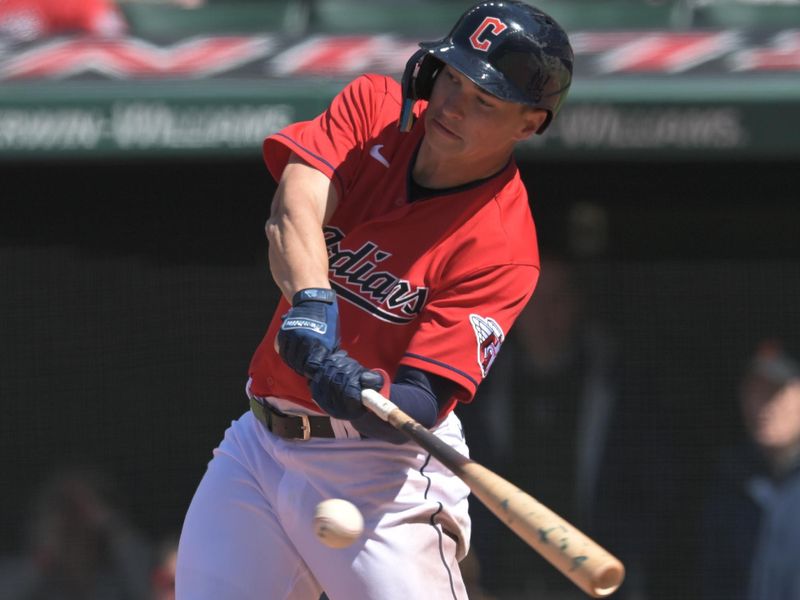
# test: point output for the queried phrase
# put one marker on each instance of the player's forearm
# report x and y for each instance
(297, 253)
(298, 258)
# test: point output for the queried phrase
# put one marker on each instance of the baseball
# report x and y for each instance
(337, 523)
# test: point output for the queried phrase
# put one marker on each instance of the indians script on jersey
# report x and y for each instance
(356, 276)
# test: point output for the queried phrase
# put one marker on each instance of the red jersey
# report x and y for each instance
(433, 284)
(27, 20)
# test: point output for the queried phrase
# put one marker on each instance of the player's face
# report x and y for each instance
(772, 413)
(463, 120)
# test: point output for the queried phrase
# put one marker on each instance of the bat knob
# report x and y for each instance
(607, 579)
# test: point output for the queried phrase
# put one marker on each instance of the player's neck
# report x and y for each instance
(433, 171)
(783, 460)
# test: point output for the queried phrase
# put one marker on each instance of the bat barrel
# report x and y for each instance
(579, 558)
(592, 568)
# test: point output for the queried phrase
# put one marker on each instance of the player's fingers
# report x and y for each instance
(292, 351)
(282, 343)
(314, 361)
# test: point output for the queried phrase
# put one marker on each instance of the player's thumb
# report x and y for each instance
(373, 380)
(314, 361)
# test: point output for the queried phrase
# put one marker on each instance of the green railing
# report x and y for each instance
(105, 104)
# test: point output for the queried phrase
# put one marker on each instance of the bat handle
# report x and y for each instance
(378, 404)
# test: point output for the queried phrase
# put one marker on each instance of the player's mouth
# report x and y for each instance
(439, 126)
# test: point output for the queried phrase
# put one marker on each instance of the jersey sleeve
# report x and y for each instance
(463, 327)
(332, 142)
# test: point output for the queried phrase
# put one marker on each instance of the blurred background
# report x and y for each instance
(134, 284)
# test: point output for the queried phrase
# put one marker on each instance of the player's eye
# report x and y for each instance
(484, 103)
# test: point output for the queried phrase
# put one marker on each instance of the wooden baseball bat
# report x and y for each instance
(581, 559)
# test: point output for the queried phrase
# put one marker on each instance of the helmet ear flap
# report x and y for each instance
(417, 84)
(418, 80)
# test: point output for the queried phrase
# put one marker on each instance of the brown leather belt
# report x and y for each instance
(291, 427)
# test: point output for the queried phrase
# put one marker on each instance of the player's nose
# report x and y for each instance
(454, 104)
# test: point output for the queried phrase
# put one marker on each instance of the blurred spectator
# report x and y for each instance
(561, 418)
(30, 20)
(751, 529)
(80, 546)
(163, 577)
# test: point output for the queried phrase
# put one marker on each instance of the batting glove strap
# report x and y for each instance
(310, 327)
(326, 295)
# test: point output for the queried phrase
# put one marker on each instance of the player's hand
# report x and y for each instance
(337, 385)
(309, 328)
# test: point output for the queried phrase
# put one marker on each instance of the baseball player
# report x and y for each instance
(402, 240)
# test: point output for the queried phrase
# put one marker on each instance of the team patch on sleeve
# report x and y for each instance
(490, 337)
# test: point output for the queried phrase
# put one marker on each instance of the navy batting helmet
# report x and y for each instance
(507, 48)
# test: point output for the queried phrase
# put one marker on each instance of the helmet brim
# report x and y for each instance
(474, 68)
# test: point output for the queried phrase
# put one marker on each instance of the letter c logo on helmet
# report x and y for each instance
(508, 48)
(495, 25)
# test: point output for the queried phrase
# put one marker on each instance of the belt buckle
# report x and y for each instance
(305, 427)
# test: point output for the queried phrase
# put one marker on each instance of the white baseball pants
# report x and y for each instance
(248, 533)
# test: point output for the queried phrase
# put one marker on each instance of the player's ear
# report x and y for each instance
(532, 119)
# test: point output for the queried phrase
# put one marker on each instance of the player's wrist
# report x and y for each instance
(310, 330)
(314, 313)
(418, 403)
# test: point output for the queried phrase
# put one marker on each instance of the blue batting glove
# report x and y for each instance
(337, 385)
(309, 329)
